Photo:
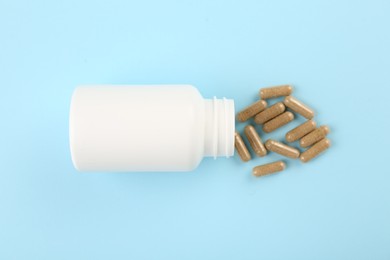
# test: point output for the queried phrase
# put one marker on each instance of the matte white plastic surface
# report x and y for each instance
(147, 128)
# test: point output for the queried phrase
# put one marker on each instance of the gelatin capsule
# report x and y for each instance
(255, 140)
(278, 121)
(241, 148)
(269, 168)
(276, 91)
(315, 150)
(300, 131)
(282, 149)
(269, 113)
(251, 110)
(298, 107)
(314, 136)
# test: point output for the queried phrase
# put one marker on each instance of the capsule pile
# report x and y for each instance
(310, 137)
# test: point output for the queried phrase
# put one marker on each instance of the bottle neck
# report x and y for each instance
(219, 127)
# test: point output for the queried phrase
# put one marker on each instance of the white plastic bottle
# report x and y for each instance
(147, 128)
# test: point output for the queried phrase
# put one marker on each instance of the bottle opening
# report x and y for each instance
(220, 127)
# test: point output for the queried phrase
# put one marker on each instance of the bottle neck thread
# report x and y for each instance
(219, 127)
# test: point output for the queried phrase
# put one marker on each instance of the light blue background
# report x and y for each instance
(337, 55)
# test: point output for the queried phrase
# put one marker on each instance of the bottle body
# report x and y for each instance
(145, 128)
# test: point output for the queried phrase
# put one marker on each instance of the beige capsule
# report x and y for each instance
(315, 150)
(255, 140)
(282, 149)
(251, 110)
(278, 121)
(300, 131)
(299, 107)
(314, 136)
(269, 113)
(276, 91)
(269, 168)
(241, 148)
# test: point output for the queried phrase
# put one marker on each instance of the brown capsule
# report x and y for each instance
(251, 110)
(278, 121)
(276, 91)
(299, 107)
(315, 150)
(300, 131)
(255, 141)
(282, 149)
(314, 136)
(241, 148)
(269, 168)
(270, 113)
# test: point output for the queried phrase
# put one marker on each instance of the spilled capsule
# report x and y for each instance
(282, 149)
(241, 148)
(315, 150)
(300, 131)
(269, 113)
(314, 136)
(251, 110)
(276, 91)
(299, 107)
(278, 121)
(255, 140)
(268, 168)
